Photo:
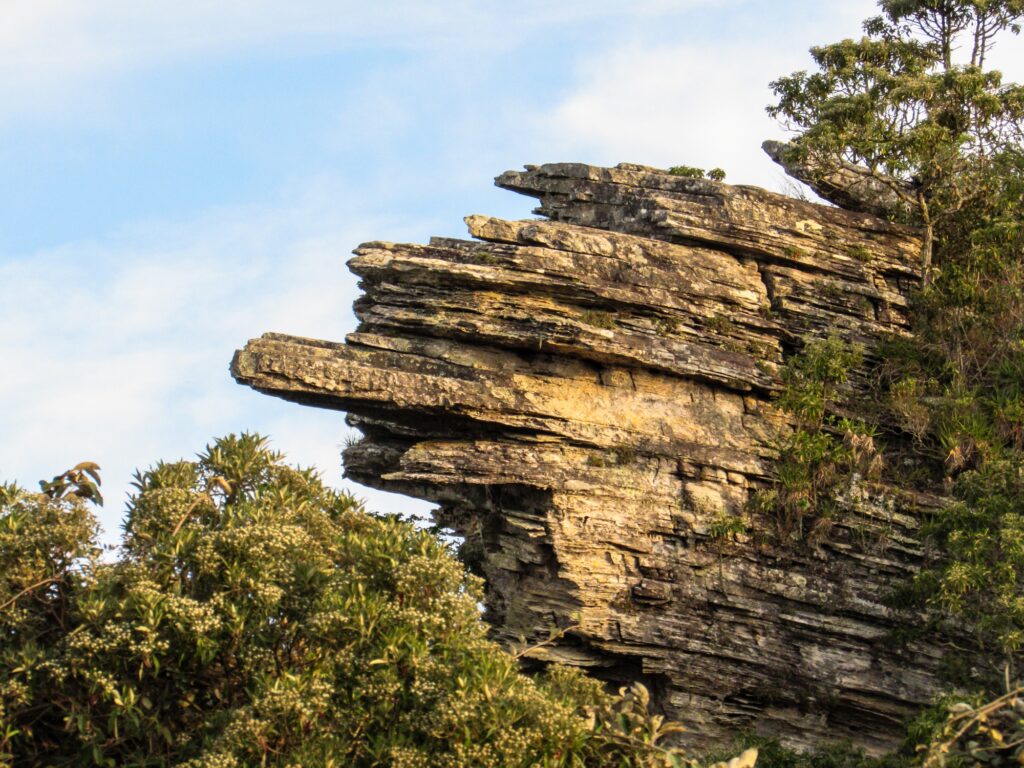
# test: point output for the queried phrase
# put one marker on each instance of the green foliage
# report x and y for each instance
(944, 135)
(599, 319)
(976, 732)
(860, 253)
(727, 526)
(958, 388)
(812, 379)
(955, 732)
(689, 172)
(824, 455)
(720, 325)
(48, 556)
(256, 617)
(621, 456)
(978, 581)
(942, 22)
(773, 754)
(967, 359)
(666, 326)
(481, 256)
(82, 481)
(895, 107)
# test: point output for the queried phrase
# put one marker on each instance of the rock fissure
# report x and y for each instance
(586, 397)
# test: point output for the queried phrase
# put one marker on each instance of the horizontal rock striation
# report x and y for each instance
(850, 186)
(588, 398)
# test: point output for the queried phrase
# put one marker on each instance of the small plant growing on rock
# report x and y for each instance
(830, 289)
(720, 325)
(621, 456)
(727, 526)
(860, 253)
(690, 172)
(823, 454)
(485, 258)
(666, 326)
(598, 319)
(687, 171)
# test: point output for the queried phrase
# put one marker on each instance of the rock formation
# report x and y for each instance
(847, 185)
(588, 396)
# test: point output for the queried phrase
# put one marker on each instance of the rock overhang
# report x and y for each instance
(585, 394)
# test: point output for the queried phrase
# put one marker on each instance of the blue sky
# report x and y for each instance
(176, 178)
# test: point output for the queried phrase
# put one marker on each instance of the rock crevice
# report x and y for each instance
(588, 395)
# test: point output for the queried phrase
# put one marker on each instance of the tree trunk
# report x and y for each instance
(928, 242)
(926, 254)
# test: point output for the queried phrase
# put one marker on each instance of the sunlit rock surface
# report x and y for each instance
(588, 396)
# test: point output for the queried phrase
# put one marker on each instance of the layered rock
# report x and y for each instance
(849, 186)
(588, 399)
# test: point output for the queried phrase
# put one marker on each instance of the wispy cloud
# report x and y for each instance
(668, 105)
(691, 99)
(116, 347)
(49, 48)
(116, 350)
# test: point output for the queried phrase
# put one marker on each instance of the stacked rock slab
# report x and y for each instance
(588, 396)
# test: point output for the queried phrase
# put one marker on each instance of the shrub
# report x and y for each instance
(823, 455)
(256, 617)
(977, 732)
(976, 581)
(689, 172)
(958, 388)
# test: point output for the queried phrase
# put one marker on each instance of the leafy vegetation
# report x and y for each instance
(824, 455)
(598, 319)
(841, 754)
(689, 172)
(979, 732)
(958, 389)
(256, 617)
(898, 109)
(955, 732)
(943, 136)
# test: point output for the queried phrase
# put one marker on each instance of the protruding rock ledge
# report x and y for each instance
(849, 186)
(587, 398)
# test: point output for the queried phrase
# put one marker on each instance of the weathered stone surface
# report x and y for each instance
(848, 186)
(587, 397)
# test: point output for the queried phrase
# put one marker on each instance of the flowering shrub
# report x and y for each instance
(256, 617)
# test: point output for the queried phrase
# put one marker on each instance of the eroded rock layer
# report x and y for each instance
(588, 398)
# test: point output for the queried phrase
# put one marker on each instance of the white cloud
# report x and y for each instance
(673, 105)
(698, 102)
(49, 48)
(116, 351)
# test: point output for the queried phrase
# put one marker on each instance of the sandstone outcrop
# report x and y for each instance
(849, 186)
(588, 398)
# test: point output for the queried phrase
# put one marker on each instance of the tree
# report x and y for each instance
(898, 108)
(943, 22)
(911, 107)
(256, 617)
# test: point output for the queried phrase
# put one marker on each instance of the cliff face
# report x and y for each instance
(588, 396)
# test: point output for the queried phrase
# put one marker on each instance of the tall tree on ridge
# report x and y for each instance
(897, 107)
